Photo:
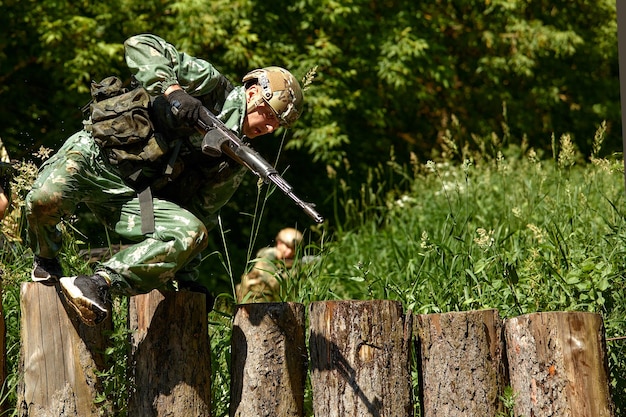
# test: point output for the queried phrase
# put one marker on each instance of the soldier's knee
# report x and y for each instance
(197, 235)
(41, 203)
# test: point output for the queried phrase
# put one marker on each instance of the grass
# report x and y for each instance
(503, 227)
(512, 231)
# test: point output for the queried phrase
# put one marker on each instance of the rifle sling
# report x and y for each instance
(170, 163)
(146, 206)
(147, 210)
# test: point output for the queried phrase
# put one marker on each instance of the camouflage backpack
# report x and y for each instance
(120, 124)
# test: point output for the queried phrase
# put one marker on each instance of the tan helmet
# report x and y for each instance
(290, 237)
(280, 90)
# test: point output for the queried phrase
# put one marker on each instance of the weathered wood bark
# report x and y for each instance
(170, 360)
(59, 357)
(558, 365)
(360, 359)
(461, 362)
(269, 360)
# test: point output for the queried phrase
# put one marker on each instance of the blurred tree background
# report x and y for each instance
(393, 77)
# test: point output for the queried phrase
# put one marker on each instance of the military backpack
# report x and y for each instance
(120, 124)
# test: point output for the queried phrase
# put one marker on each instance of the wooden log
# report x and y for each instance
(269, 360)
(558, 365)
(461, 363)
(360, 359)
(59, 357)
(170, 359)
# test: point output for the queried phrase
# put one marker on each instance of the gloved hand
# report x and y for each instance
(187, 107)
(7, 172)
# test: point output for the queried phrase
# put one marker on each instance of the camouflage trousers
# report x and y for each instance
(77, 174)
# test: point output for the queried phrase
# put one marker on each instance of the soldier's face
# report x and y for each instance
(261, 120)
(284, 251)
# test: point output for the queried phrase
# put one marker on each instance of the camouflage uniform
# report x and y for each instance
(262, 282)
(185, 206)
(6, 171)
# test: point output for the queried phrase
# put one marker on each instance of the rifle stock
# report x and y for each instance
(223, 140)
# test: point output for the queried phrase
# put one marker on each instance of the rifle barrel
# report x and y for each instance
(248, 157)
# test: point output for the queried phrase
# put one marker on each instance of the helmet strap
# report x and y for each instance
(254, 102)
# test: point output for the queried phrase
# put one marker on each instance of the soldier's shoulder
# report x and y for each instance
(267, 253)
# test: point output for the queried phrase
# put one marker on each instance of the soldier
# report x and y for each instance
(5, 179)
(6, 175)
(4, 202)
(271, 265)
(168, 212)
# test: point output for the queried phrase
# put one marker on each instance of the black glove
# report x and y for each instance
(7, 172)
(187, 108)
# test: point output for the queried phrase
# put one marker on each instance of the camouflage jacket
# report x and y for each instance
(263, 283)
(156, 65)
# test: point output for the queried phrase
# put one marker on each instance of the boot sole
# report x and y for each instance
(90, 313)
(46, 281)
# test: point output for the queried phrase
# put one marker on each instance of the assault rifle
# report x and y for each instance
(219, 139)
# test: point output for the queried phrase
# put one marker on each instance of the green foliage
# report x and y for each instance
(389, 75)
(511, 232)
(220, 331)
(115, 385)
(399, 75)
(505, 229)
(479, 88)
(508, 402)
(13, 270)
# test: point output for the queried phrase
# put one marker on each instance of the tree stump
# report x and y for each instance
(461, 361)
(170, 359)
(269, 360)
(59, 357)
(558, 365)
(360, 359)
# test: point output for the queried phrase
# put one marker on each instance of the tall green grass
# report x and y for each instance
(508, 230)
(503, 227)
